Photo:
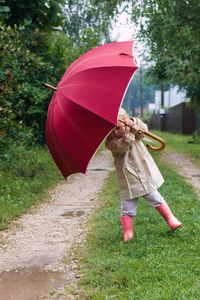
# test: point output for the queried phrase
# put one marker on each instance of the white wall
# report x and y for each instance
(171, 97)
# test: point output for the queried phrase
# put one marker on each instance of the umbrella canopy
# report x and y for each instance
(84, 108)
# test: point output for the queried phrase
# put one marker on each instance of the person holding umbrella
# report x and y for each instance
(137, 173)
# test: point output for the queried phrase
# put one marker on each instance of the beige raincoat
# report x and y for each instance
(136, 170)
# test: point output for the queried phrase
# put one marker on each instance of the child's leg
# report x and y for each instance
(157, 201)
(154, 198)
(128, 210)
(129, 207)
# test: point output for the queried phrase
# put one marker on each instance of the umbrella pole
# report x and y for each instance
(51, 87)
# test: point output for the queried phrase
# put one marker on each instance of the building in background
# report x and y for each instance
(176, 115)
(172, 97)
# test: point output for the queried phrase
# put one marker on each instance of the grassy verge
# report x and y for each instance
(157, 264)
(24, 182)
(182, 144)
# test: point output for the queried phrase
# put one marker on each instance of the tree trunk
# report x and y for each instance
(162, 89)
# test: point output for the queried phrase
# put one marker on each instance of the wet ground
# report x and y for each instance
(28, 284)
(34, 249)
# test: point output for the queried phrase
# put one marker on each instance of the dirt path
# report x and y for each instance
(185, 167)
(40, 240)
(33, 249)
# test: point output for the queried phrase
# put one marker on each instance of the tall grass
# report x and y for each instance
(25, 179)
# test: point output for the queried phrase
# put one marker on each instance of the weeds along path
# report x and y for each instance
(43, 237)
(184, 167)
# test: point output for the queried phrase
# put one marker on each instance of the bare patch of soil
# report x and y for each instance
(184, 167)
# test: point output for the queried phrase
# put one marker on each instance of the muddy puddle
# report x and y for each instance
(72, 213)
(29, 284)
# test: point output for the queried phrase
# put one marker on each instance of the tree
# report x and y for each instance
(132, 100)
(4, 11)
(171, 30)
(43, 14)
(33, 51)
(83, 16)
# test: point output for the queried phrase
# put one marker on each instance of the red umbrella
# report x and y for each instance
(84, 108)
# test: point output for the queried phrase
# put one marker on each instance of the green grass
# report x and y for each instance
(25, 182)
(26, 175)
(182, 144)
(157, 264)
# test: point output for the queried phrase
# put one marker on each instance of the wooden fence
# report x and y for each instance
(178, 119)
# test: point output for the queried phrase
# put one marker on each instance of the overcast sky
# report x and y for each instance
(123, 29)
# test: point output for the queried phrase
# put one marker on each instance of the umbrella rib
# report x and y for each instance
(56, 142)
(94, 58)
(85, 108)
(107, 116)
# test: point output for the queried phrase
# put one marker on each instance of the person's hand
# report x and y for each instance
(118, 131)
(132, 124)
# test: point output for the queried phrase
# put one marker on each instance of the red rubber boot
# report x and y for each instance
(127, 225)
(167, 214)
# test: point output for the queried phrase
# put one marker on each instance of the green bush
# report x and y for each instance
(23, 99)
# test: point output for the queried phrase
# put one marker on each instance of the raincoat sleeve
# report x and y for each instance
(143, 126)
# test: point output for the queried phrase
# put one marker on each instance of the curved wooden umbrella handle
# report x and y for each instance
(155, 137)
